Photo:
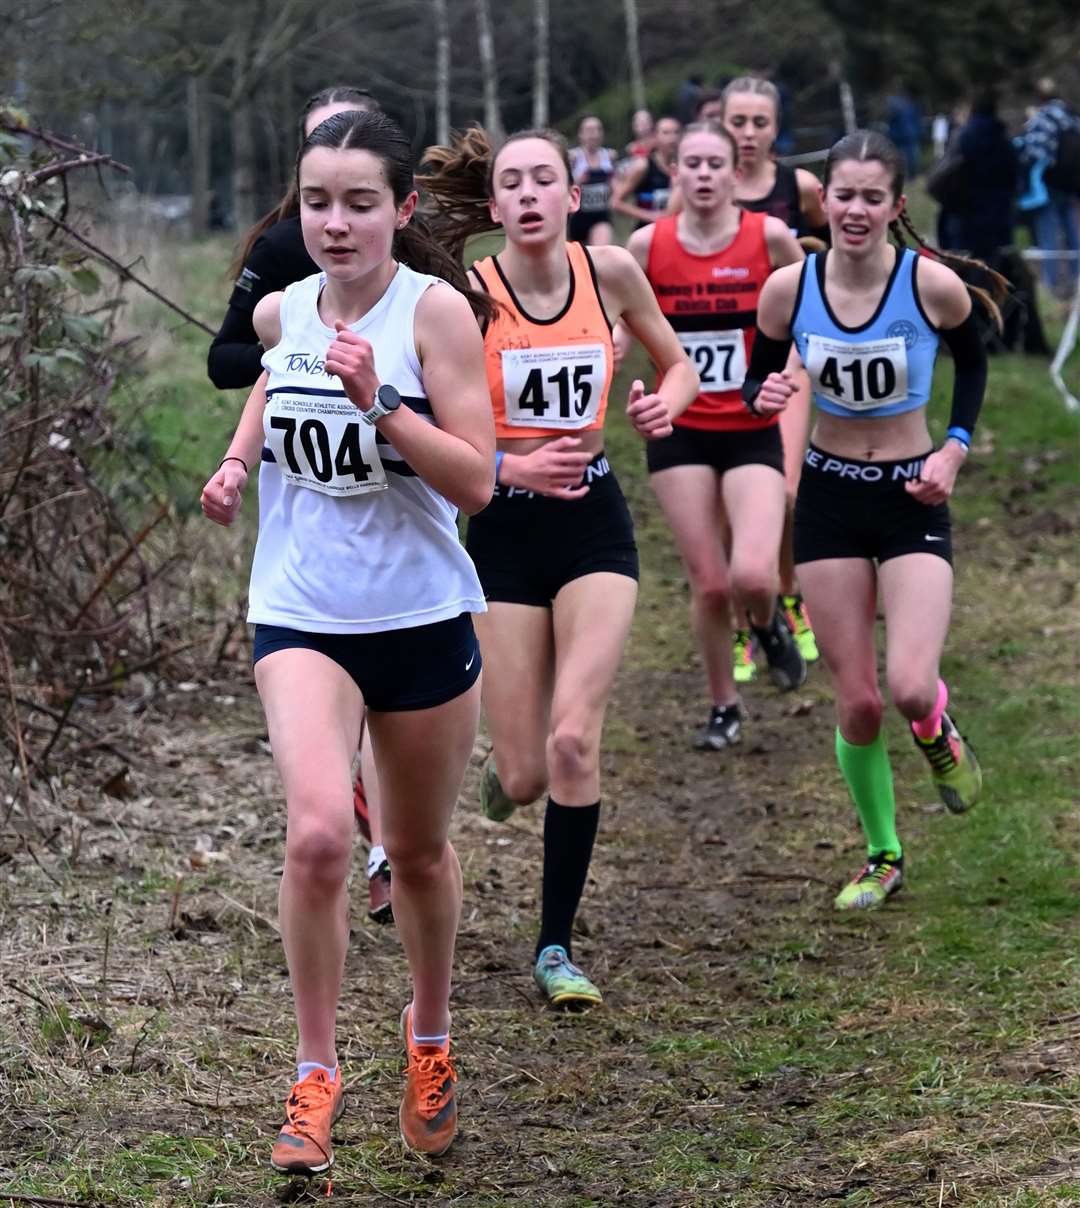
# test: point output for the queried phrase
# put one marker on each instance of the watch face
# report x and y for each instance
(389, 397)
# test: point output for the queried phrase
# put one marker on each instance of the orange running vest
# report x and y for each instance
(711, 301)
(548, 376)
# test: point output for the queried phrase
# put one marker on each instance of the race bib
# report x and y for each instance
(858, 377)
(554, 387)
(320, 442)
(595, 197)
(718, 356)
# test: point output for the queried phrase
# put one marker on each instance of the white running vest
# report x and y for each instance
(351, 539)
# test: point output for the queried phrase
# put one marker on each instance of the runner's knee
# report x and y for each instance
(318, 846)
(914, 695)
(415, 857)
(571, 754)
(859, 714)
(523, 783)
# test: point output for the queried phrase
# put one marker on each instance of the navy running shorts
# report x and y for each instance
(396, 670)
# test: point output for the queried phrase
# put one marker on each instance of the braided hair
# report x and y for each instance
(865, 145)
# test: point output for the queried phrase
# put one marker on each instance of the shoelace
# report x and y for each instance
(939, 753)
(432, 1071)
(306, 1096)
(875, 870)
(744, 649)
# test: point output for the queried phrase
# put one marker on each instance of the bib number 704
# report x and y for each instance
(347, 461)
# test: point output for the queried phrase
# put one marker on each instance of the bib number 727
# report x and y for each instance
(554, 387)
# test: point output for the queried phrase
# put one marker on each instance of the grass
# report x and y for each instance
(756, 1051)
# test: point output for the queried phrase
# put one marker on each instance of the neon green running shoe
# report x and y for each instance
(493, 799)
(562, 983)
(879, 878)
(953, 766)
(743, 648)
(794, 612)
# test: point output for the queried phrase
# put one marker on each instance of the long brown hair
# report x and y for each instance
(289, 205)
(414, 244)
(459, 177)
(864, 145)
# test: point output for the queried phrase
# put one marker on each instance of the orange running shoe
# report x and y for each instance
(428, 1115)
(303, 1145)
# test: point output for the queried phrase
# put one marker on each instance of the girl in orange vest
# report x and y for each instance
(707, 266)
(555, 548)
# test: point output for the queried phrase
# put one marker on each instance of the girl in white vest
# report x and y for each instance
(372, 425)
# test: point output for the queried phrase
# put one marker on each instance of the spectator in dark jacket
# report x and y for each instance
(984, 224)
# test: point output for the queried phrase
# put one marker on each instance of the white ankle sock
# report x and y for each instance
(375, 858)
(305, 1068)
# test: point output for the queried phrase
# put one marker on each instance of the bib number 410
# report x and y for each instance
(878, 381)
(347, 460)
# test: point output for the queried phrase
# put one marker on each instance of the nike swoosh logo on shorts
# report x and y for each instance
(471, 661)
(926, 537)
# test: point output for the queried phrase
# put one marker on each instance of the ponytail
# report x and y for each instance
(456, 179)
(459, 182)
(988, 295)
(416, 246)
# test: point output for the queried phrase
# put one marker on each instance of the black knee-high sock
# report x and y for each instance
(569, 832)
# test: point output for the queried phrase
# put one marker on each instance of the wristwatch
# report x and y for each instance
(386, 402)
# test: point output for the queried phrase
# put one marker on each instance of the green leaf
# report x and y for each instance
(86, 280)
(83, 327)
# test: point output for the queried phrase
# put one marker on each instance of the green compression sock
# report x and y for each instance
(869, 779)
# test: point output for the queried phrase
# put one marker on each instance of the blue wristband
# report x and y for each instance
(960, 434)
(499, 455)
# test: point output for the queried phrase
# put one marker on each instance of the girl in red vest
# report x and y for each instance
(707, 266)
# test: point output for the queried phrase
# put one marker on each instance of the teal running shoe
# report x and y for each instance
(561, 982)
(953, 766)
(878, 879)
(493, 799)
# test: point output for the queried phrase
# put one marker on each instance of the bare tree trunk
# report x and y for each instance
(847, 107)
(633, 54)
(542, 58)
(243, 165)
(199, 153)
(489, 70)
(442, 72)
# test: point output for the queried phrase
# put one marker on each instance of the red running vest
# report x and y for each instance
(711, 302)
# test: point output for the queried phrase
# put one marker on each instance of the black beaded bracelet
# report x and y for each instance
(239, 459)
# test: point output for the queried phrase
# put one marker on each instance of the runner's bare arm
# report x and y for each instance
(622, 189)
(634, 303)
(783, 246)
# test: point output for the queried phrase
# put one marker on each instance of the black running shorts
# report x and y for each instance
(397, 670)
(722, 451)
(860, 509)
(527, 546)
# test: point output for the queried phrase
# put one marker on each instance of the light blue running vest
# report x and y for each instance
(883, 367)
